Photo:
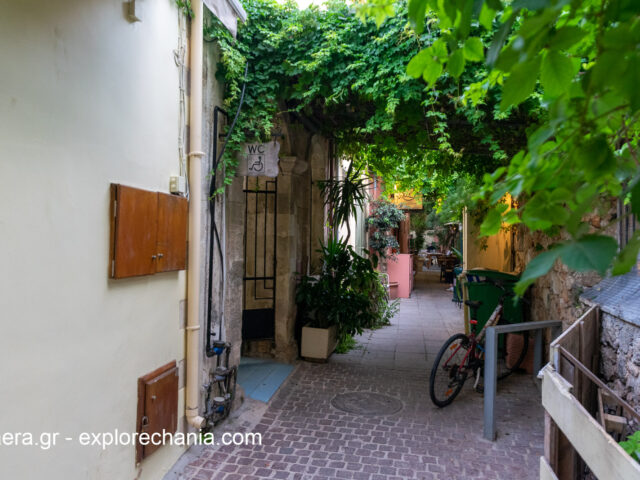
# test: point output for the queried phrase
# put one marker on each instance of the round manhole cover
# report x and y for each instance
(366, 403)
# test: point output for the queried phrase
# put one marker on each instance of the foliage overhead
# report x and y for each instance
(538, 98)
(349, 78)
(581, 60)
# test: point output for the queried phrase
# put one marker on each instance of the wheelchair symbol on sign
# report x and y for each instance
(257, 165)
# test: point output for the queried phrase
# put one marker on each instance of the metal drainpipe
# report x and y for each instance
(192, 399)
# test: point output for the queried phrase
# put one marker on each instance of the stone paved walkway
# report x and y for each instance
(413, 340)
(305, 437)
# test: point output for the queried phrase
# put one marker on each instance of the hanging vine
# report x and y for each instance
(349, 76)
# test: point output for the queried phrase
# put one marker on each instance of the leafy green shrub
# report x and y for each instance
(344, 197)
(632, 446)
(346, 342)
(347, 293)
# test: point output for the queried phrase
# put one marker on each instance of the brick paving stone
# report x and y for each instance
(305, 437)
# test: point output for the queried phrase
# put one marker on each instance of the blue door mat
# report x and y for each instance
(261, 378)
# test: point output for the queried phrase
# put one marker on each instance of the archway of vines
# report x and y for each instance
(349, 77)
(478, 116)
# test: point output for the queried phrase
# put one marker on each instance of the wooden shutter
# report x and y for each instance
(157, 406)
(134, 231)
(172, 232)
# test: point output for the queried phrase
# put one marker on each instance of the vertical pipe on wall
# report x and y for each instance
(192, 399)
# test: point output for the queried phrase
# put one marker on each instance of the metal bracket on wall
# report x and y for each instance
(131, 12)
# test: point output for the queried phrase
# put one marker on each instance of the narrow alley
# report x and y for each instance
(206, 199)
(304, 435)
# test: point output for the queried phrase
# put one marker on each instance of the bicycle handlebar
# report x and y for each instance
(496, 283)
(501, 286)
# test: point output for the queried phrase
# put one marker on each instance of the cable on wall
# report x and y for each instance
(179, 55)
(214, 233)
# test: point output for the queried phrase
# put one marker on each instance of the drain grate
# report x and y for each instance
(366, 403)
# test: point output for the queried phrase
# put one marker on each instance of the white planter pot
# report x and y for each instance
(318, 343)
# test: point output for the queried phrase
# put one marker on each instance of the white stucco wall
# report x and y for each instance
(86, 98)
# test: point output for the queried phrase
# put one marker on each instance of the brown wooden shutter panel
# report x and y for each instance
(135, 230)
(172, 232)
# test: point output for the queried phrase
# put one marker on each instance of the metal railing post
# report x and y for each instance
(491, 363)
(490, 383)
(538, 352)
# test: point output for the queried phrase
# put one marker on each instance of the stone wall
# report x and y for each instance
(619, 301)
(556, 296)
(565, 295)
(620, 351)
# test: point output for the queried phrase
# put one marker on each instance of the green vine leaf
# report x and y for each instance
(455, 65)
(473, 49)
(628, 257)
(536, 268)
(590, 253)
(557, 73)
(520, 84)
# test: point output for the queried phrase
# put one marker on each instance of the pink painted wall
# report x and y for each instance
(400, 269)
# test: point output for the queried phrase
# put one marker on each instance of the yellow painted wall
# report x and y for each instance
(491, 252)
(86, 98)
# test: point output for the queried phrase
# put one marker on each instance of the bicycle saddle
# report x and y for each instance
(473, 304)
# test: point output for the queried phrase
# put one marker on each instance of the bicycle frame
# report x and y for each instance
(475, 340)
(445, 386)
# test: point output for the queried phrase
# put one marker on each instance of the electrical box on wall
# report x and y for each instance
(148, 232)
(178, 184)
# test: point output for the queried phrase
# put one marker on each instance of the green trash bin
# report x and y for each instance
(479, 289)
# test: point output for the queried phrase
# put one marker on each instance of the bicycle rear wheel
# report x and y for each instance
(448, 373)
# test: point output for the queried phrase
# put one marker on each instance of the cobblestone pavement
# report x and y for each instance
(305, 437)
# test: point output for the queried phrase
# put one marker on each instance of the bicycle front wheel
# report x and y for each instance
(449, 370)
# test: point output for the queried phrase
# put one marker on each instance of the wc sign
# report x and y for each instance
(259, 160)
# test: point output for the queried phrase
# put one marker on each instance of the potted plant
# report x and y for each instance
(343, 300)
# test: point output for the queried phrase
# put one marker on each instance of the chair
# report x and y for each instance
(446, 269)
(384, 280)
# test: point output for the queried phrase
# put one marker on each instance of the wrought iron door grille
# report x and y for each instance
(258, 316)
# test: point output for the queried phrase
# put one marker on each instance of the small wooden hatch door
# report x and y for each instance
(157, 407)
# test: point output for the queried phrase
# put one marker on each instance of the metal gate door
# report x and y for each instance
(258, 311)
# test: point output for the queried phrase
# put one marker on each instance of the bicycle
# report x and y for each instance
(464, 355)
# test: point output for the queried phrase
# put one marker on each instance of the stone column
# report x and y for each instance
(319, 171)
(403, 234)
(286, 348)
(234, 267)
